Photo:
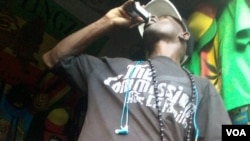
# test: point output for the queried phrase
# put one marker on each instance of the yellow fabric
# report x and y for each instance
(199, 23)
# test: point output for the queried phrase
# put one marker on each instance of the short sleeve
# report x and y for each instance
(76, 69)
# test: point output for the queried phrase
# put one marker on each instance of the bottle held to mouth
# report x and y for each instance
(135, 9)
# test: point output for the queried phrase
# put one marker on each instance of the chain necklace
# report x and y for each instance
(156, 91)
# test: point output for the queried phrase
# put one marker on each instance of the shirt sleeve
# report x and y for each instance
(76, 69)
(211, 114)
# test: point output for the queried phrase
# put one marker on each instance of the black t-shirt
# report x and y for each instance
(107, 81)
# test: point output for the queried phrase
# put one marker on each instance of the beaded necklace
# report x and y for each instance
(193, 100)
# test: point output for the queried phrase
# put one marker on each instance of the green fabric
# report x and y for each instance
(193, 65)
(242, 28)
(208, 35)
(234, 53)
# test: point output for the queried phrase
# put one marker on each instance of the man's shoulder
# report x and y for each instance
(202, 82)
(204, 85)
(201, 79)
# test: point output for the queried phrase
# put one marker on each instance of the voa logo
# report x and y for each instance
(236, 132)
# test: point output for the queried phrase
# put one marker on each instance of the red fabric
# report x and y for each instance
(53, 128)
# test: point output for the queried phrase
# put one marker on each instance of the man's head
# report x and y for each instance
(165, 24)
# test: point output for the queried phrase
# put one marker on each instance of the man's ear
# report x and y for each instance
(184, 36)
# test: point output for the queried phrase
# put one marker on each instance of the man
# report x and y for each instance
(149, 100)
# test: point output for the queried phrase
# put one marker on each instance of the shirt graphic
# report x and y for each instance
(137, 81)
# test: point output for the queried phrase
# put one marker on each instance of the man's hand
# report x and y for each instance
(120, 18)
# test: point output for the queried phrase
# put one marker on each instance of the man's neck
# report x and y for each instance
(166, 49)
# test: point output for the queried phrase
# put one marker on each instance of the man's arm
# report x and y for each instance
(77, 42)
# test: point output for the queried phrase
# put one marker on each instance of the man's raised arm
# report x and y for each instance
(78, 41)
